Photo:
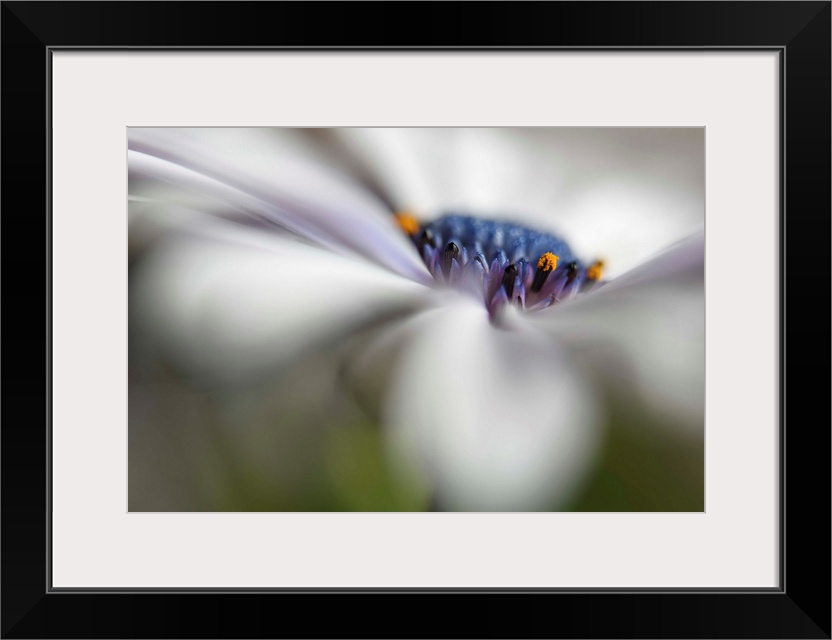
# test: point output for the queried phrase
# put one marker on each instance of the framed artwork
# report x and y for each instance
(493, 311)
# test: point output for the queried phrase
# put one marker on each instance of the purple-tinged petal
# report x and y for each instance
(271, 183)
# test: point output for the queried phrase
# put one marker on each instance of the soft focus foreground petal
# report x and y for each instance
(229, 303)
(644, 334)
(256, 172)
(613, 193)
(497, 420)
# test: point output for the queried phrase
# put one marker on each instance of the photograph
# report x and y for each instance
(501, 319)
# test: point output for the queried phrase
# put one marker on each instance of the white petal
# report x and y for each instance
(230, 303)
(415, 168)
(497, 420)
(645, 333)
(255, 172)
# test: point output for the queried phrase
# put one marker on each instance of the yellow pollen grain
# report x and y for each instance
(548, 261)
(596, 270)
(408, 223)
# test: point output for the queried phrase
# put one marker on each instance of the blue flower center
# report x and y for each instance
(504, 261)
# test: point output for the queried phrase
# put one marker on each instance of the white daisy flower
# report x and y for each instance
(495, 298)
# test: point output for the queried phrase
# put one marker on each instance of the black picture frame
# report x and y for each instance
(799, 608)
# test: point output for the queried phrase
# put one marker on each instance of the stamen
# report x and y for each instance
(596, 270)
(408, 223)
(509, 275)
(572, 272)
(427, 238)
(451, 252)
(547, 263)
